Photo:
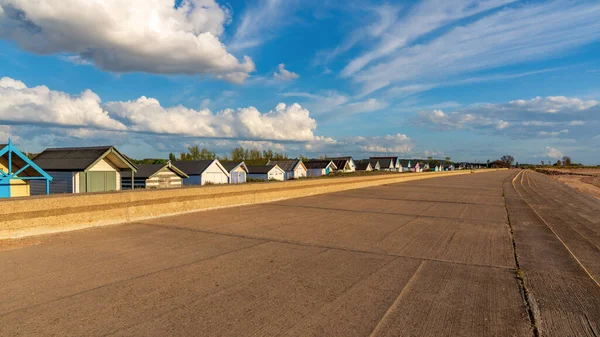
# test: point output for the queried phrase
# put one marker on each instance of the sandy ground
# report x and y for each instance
(423, 258)
(592, 171)
(587, 185)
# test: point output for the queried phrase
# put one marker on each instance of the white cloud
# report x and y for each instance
(283, 123)
(457, 120)
(393, 144)
(284, 74)
(259, 23)
(508, 36)
(336, 103)
(125, 36)
(552, 133)
(423, 18)
(553, 153)
(365, 146)
(541, 116)
(369, 105)
(553, 104)
(40, 105)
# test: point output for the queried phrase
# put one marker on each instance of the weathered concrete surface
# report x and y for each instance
(20, 217)
(557, 232)
(423, 258)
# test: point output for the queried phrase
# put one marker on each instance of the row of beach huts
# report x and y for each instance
(104, 168)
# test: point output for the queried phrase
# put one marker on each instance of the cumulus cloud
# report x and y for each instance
(151, 36)
(458, 120)
(552, 104)
(553, 153)
(282, 123)
(40, 105)
(398, 144)
(540, 116)
(364, 146)
(284, 74)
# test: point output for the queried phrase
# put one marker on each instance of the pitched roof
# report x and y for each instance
(148, 170)
(404, 162)
(260, 169)
(193, 167)
(229, 165)
(79, 158)
(19, 163)
(319, 164)
(286, 165)
(363, 165)
(340, 163)
(385, 161)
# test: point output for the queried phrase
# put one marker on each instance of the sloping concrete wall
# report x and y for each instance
(55, 213)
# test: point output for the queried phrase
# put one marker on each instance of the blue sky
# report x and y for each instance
(468, 79)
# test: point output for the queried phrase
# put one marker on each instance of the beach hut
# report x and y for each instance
(266, 172)
(344, 164)
(202, 172)
(363, 165)
(154, 176)
(317, 167)
(82, 169)
(237, 171)
(17, 172)
(294, 168)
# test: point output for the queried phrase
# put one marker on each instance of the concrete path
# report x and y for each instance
(437, 257)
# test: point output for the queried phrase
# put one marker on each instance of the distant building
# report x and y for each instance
(17, 172)
(202, 172)
(237, 171)
(294, 168)
(267, 172)
(364, 165)
(344, 164)
(318, 167)
(82, 169)
(154, 176)
(389, 163)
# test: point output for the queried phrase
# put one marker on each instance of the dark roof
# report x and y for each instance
(74, 158)
(148, 170)
(374, 163)
(362, 165)
(340, 163)
(286, 165)
(385, 161)
(317, 164)
(404, 162)
(260, 169)
(230, 165)
(193, 167)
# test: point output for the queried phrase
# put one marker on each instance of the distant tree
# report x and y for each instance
(508, 160)
(488, 163)
(542, 163)
(172, 157)
(303, 158)
(447, 159)
(517, 164)
(566, 161)
(558, 163)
